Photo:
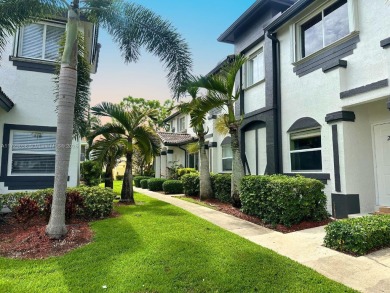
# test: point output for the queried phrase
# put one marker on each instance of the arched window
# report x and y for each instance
(227, 154)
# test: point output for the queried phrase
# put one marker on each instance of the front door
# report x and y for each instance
(382, 160)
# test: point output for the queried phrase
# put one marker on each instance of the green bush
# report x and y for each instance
(144, 183)
(97, 202)
(279, 199)
(156, 184)
(137, 180)
(359, 236)
(190, 184)
(173, 187)
(90, 173)
(183, 171)
(221, 185)
(119, 177)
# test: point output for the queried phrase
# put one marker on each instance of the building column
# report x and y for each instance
(157, 167)
(163, 172)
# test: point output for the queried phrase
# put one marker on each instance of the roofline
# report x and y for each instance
(228, 59)
(296, 8)
(244, 16)
(5, 102)
(172, 116)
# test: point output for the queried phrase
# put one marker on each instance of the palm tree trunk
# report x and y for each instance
(67, 92)
(238, 168)
(205, 190)
(109, 178)
(127, 193)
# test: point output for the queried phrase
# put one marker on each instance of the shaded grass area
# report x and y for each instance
(156, 247)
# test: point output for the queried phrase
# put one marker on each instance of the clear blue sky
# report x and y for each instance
(200, 22)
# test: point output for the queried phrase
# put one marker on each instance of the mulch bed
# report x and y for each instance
(229, 209)
(29, 241)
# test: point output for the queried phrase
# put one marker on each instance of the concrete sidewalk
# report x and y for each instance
(369, 273)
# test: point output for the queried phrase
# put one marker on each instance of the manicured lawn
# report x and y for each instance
(201, 203)
(156, 247)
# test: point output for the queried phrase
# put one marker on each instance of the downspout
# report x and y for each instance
(185, 156)
(277, 100)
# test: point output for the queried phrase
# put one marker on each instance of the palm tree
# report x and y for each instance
(198, 117)
(132, 27)
(129, 129)
(107, 151)
(222, 94)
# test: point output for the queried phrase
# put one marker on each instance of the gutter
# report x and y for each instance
(185, 156)
(277, 101)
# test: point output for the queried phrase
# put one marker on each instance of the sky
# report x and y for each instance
(200, 23)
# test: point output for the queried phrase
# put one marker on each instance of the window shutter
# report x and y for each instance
(32, 41)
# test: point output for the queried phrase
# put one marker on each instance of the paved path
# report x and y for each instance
(369, 273)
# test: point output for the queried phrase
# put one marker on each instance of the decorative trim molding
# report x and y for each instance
(213, 144)
(364, 89)
(33, 65)
(334, 64)
(208, 136)
(344, 205)
(169, 151)
(163, 153)
(348, 116)
(336, 158)
(304, 123)
(385, 43)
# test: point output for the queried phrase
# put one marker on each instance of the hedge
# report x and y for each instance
(359, 236)
(137, 180)
(144, 183)
(190, 184)
(183, 171)
(286, 200)
(173, 187)
(90, 172)
(97, 202)
(221, 185)
(156, 184)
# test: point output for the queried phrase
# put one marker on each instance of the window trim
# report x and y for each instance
(224, 158)
(181, 124)
(246, 69)
(305, 133)
(11, 152)
(296, 34)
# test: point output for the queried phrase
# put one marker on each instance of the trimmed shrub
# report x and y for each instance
(221, 184)
(73, 206)
(156, 184)
(173, 187)
(144, 183)
(137, 180)
(90, 173)
(183, 171)
(280, 199)
(26, 209)
(359, 236)
(190, 184)
(119, 177)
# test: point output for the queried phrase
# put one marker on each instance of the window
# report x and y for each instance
(182, 123)
(328, 26)
(193, 161)
(32, 152)
(40, 41)
(255, 68)
(227, 157)
(305, 151)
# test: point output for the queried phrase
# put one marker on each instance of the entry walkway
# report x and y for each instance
(369, 273)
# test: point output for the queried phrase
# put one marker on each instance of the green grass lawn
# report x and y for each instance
(156, 247)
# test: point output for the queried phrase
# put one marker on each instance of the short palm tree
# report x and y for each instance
(198, 117)
(132, 27)
(222, 93)
(129, 128)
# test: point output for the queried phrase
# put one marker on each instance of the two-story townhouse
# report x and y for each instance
(28, 111)
(333, 68)
(257, 104)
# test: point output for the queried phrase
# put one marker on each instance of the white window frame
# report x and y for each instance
(182, 124)
(224, 158)
(18, 48)
(249, 73)
(296, 33)
(25, 151)
(307, 133)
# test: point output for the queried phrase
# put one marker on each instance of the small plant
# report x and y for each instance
(190, 184)
(359, 236)
(26, 210)
(90, 173)
(156, 184)
(183, 171)
(144, 183)
(173, 187)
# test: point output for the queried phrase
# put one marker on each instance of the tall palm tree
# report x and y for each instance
(132, 27)
(198, 118)
(130, 129)
(222, 93)
(107, 151)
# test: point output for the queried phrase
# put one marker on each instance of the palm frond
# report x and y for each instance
(108, 149)
(115, 111)
(147, 141)
(221, 125)
(134, 26)
(107, 129)
(192, 148)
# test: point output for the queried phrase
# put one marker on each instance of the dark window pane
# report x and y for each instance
(32, 164)
(336, 24)
(306, 143)
(312, 35)
(191, 161)
(306, 161)
(227, 164)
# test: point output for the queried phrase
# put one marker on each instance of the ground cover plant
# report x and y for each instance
(359, 236)
(156, 247)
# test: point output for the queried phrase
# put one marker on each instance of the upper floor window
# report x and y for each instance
(182, 123)
(255, 68)
(40, 41)
(305, 150)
